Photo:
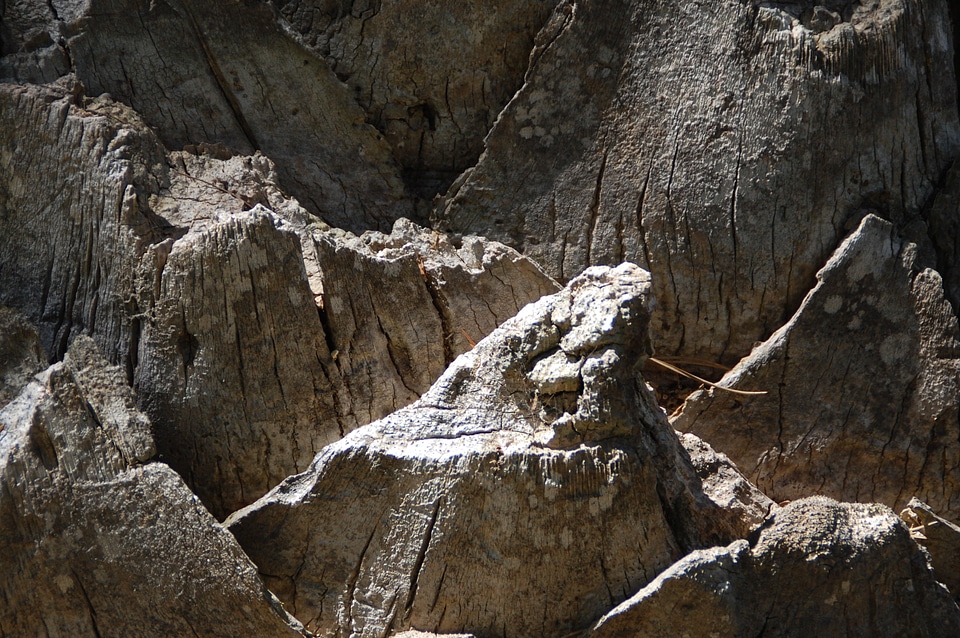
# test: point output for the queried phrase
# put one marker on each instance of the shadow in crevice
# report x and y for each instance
(954, 9)
(943, 228)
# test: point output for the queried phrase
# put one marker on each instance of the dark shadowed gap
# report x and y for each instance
(954, 8)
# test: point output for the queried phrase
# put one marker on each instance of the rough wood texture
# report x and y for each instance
(401, 307)
(248, 380)
(476, 284)
(731, 148)
(225, 72)
(815, 568)
(21, 355)
(70, 256)
(723, 484)
(95, 541)
(84, 252)
(233, 363)
(196, 273)
(862, 386)
(940, 538)
(467, 510)
(732, 181)
(431, 76)
(31, 39)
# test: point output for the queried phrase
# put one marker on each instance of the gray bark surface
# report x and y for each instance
(21, 355)
(475, 284)
(400, 307)
(817, 567)
(940, 538)
(97, 541)
(253, 333)
(726, 147)
(71, 256)
(536, 455)
(724, 484)
(862, 390)
(233, 366)
(219, 195)
(225, 72)
(430, 76)
(247, 379)
(31, 39)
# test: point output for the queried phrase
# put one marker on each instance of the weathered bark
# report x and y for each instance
(88, 255)
(726, 147)
(476, 284)
(723, 484)
(816, 568)
(401, 307)
(31, 39)
(203, 279)
(73, 246)
(862, 386)
(431, 76)
(940, 538)
(225, 72)
(537, 455)
(96, 541)
(21, 355)
(247, 380)
(233, 366)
